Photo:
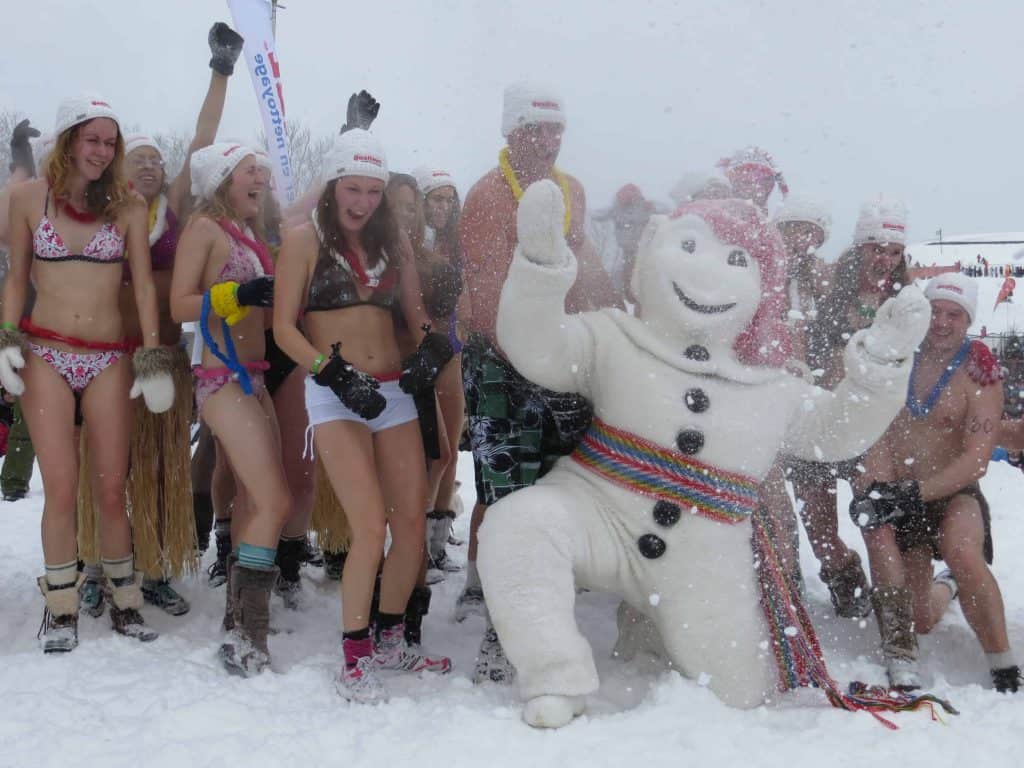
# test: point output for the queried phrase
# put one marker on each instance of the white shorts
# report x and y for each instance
(322, 406)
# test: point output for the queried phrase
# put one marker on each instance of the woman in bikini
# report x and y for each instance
(345, 269)
(71, 232)
(223, 278)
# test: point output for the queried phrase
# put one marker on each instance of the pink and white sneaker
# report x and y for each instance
(361, 684)
(393, 653)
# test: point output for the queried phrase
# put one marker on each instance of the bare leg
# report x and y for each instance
(930, 599)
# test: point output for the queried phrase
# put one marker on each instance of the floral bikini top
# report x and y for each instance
(105, 247)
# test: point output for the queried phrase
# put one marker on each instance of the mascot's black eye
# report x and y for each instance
(689, 245)
(737, 259)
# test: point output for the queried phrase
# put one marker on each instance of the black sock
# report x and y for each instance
(356, 634)
(389, 620)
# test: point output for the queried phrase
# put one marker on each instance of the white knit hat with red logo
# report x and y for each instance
(356, 153)
(882, 220)
(429, 178)
(138, 141)
(527, 103)
(211, 165)
(82, 109)
(956, 287)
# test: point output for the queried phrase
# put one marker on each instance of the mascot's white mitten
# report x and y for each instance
(899, 327)
(12, 360)
(154, 379)
(540, 223)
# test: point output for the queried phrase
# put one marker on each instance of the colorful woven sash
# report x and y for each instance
(641, 466)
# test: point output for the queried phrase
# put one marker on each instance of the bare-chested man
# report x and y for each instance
(923, 501)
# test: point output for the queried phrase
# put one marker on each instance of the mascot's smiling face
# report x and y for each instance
(715, 268)
(688, 277)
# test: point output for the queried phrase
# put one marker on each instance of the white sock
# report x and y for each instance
(1000, 660)
(472, 577)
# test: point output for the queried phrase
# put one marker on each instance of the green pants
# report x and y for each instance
(17, 470)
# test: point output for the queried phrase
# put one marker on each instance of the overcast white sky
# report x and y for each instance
(916, 99)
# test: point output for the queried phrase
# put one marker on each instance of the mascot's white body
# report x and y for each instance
(673, 379)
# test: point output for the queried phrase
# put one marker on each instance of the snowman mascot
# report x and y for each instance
(692, 404)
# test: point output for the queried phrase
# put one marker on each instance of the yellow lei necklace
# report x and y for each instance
(517, 191)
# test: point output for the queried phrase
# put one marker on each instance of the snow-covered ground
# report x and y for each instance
(115, 702)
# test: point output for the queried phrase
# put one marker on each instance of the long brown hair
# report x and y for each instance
(446, 239)
(419, 227)
(379, 236)
(832, 324)
(108, 195)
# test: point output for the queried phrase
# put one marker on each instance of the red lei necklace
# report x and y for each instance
(83, 217)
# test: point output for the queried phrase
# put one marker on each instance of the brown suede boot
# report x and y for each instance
(125, 602)
(245, 651)
(59, 631)
(848, 588)
(894, 611)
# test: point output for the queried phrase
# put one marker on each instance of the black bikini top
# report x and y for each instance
(336, 279)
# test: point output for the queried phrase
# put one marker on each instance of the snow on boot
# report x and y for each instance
(311, 554)
(417, 607)
(439, 528)
(58, 632)
(160, 593)
(289, 584)
(334, 564)
(1007, 679)
(218, 570)
(391, 652)
(552, 711)
(894, 612)
(492, 666)
(361, 683)
(92, 597)
(848, 588)
(945, 577)
(125, 602)
(470, 603)
(245, 650)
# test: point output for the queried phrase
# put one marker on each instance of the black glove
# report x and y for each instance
(362, 111)
(21, 150)
(226, 47)
(258, 292)
(421, 369)
(885, 503)
(444, 287)
(356, 390)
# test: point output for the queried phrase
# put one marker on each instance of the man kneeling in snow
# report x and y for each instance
(919, 498)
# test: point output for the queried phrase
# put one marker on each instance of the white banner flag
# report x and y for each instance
(253, 22)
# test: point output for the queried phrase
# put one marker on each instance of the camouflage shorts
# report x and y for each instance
(516, 429)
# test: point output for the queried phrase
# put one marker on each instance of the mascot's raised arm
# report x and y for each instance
(691, 404)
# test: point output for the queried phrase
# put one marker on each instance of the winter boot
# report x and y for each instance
(125, 602)
(470, 603)
(289, 559)
(92, 595)
(439, 526)
(245, 651)
(391, 652)
(946, 579)
(229, 598)
(1007, 679)
(218, 570)
(417, 607)
(334, 564)
(58, 632)
(491, 663)
(361, 683)
(848, 588)
(894, 612)
(311, 554)
(202, 511)
(160, 593)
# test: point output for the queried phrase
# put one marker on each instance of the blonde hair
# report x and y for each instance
(219, 207)
(108, 195)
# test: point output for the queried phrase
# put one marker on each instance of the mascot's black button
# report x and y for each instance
(651, 546)
(690, 441)
(697, 352)
(696, 400)
(666, 513)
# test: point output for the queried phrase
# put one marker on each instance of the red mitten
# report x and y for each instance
(982, 366)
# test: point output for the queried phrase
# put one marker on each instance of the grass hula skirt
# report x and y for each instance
(328, 520)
